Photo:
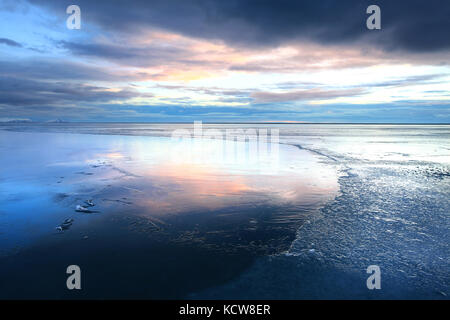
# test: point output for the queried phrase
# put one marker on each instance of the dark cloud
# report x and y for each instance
(112, 45)
(23, 92)
(63, 69)
(10, 42)
(159, 54)
(412, 25)
(125, 54)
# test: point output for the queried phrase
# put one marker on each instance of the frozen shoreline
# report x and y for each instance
(392, 211)
(373, 219)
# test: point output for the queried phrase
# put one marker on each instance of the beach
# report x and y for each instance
(187, 218)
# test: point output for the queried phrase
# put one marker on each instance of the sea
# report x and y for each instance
(225, 211)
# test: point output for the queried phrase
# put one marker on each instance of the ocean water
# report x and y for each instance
(192, 219)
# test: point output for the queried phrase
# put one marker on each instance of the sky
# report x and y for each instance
(225, 61)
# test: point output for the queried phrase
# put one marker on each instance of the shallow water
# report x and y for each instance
(190, 219)
(171, 216)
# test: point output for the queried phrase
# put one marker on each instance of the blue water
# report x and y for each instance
(341, 198)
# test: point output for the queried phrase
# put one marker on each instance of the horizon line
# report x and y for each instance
(222, 122)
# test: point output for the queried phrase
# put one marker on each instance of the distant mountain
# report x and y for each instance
(15, 120)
